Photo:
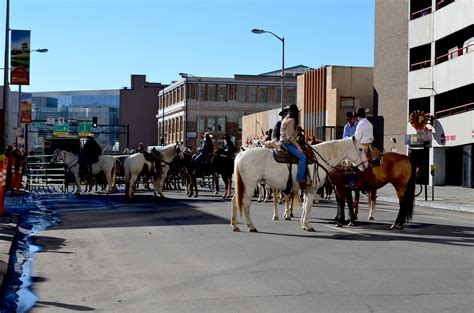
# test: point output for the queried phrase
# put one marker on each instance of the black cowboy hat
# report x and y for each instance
(349, 115)
(360, 112)
(283, 112)
(293, 109)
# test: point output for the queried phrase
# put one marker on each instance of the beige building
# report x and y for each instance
(326, 94)
(219, 104)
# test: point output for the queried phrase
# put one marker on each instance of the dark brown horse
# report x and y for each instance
(213, 165)
(396, 169)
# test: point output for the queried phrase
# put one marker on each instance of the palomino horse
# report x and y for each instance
(106, 164)
(217, 164)
(258, 165)
(133, 165)
(397, 170)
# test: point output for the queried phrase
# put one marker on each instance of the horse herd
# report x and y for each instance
(257, 166)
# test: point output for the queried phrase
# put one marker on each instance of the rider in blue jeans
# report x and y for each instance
(288, 135)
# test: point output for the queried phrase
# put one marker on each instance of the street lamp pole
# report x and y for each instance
(5, 78)
(198, 125)
(282, 39)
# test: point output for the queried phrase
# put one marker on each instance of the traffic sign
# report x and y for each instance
(38, 124)
(61, 130)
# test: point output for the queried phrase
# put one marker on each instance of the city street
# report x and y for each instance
(180, 255)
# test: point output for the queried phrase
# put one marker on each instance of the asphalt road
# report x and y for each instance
(180, 255)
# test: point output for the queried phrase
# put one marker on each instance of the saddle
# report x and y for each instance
(283, 156)
(375, 157)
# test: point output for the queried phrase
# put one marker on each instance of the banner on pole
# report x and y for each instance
(26, 106)
(20, 57)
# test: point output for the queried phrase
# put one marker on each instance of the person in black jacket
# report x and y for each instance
(228, 149)
(89, 154)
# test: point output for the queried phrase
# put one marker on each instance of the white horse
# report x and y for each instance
(133, 165)
(258, 165)
(106, 164)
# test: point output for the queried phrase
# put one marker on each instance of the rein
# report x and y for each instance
(68, 165)
(358, 154)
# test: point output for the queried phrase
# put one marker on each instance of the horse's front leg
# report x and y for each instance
(215, 177)
(371, 203)
(307, 205)
(109, 183)
(78, 183)
(161, 182)
(275, 205)
(195, 185)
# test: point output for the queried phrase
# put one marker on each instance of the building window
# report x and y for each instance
(262, 94)
(241, 93)
(215, 124)
(202, 92)
(222, 96)
(252, 94)
(278, 95)
(211, 92)
(290, 96)
(347, 102)
(271, 94)
(192, 91)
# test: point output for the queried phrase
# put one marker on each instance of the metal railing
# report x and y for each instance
(455, 53)
(43, 175)
(455, 110)
(420, 65)
(421, 13)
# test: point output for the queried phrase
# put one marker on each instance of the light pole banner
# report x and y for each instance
(20, 57)
(26, 108)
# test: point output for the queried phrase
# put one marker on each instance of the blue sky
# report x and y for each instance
(98, 44)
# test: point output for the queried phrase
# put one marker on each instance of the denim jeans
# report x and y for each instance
(301, 160)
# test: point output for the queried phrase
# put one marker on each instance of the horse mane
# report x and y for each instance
(168, 151)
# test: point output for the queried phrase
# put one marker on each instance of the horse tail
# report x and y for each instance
(408, 201)
(239, 188)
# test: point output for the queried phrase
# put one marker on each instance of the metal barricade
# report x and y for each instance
(44, 176)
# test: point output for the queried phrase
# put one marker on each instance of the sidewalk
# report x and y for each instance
(445, 197)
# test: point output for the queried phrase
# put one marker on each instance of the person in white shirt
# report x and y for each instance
(364, 131)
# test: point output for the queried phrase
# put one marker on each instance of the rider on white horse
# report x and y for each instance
(89, 154)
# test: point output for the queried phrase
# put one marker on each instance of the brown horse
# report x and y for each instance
(395, 169)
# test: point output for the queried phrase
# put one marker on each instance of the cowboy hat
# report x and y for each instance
(293, 109)
(360, 112)
(283, 112)
(349, 115)
(208, 135)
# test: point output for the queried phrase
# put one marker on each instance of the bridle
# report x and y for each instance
(359, 155)
(68, 165)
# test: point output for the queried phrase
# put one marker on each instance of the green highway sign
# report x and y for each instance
(85, 127)
(61, 129)
(39, 124)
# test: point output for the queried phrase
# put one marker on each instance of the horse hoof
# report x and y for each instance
(311, 230)
(288, 218)
(236, 230)
(397, 226)
(371, 218)
(291, 215)
(253, 230)
(216, 192)
(195, 196)
(338, 225)
(275, 218)
(350, 224)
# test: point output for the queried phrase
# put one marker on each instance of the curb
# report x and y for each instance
(8, 229)
(435, 204)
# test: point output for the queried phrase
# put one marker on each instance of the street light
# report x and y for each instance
(198, 126)
(282, 39)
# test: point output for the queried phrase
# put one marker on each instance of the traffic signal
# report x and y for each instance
(94, 121)
(431, 120)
